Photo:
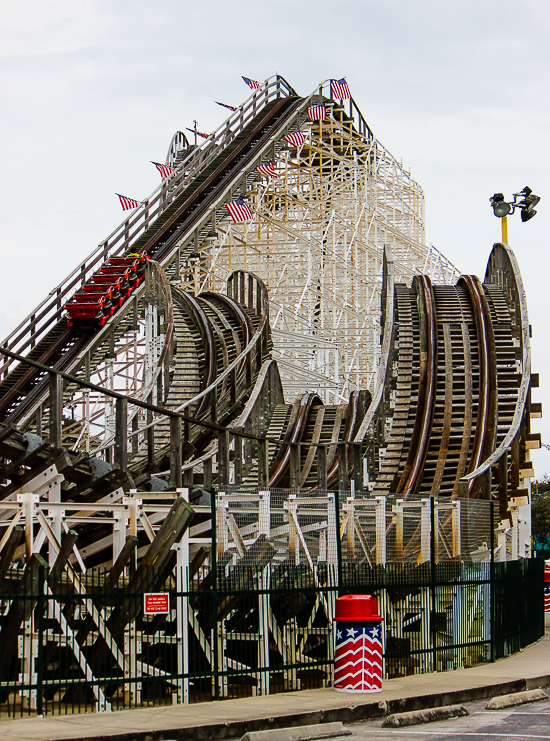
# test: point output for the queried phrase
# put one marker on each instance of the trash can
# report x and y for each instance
(358, 653)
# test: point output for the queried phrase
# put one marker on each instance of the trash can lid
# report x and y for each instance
(357, 608)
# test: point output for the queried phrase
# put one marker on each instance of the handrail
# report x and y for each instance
(242, 356)
(526, 367)
(387, 344)
(51, 308)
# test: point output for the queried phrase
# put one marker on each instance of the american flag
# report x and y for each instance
(253, 84)
(200, 133)
(128, 203)
(358, 658)
(239, 211)
(340, 89)
(224, 105)
(317, 112)
(164, 170)
(268, 169)
(547, 598)
(295, 139)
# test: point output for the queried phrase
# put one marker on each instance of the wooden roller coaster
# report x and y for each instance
(133, 396)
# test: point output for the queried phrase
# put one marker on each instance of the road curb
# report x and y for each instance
(299, 733)
(430, 715)
(357, 712)
(517, 698)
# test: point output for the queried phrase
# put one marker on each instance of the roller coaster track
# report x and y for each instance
(180, 206)
(448, 418)
(450, 401)
(447, 399)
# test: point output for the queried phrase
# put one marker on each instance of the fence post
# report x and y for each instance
(432, 583)
(214, 593)
(492, 581)
(338, 542)
(40, 640)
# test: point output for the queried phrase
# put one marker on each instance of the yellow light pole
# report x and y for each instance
(504, 220)
(502, 208)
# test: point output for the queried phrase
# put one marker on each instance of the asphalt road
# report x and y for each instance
(527, 722)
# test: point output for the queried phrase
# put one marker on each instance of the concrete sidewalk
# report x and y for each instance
(232, 718)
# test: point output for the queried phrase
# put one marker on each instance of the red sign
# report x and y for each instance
(156, 604)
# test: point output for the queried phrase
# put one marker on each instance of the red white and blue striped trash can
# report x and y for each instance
(547, 587)
(358, 654)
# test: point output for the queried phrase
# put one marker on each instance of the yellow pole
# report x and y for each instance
(504, 220)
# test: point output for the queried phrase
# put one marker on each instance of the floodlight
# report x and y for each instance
(500, 207)
(529, 202)
(526, 215)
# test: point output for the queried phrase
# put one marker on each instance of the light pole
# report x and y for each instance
(502, 208)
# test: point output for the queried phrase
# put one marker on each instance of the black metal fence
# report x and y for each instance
(231, 624)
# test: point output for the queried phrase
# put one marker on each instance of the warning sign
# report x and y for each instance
(156, 604)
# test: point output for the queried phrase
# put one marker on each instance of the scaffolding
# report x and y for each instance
(317, 240)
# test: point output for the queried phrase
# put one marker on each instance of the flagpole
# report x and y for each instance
(195, 132)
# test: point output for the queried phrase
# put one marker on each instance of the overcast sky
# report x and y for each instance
(92, 90)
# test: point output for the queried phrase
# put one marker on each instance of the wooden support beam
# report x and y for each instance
(207, 474)
(263, 464)
(343, 479)
(295, 466)
(322, 482)
(62, 557)
(8, 551)
(357, 466)
(121, 434)
(223, 458)
(128, 550)
(238, 458)
(56, 410)
(175, 452)
(150, 440)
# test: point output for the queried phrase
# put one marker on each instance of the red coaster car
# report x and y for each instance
(101, 295)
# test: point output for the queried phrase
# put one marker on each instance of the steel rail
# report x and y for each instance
(293, 437)
(412, 474)
(352, 422)
(204, 326)
(523, 392)
(486, 410)
(241, 316)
